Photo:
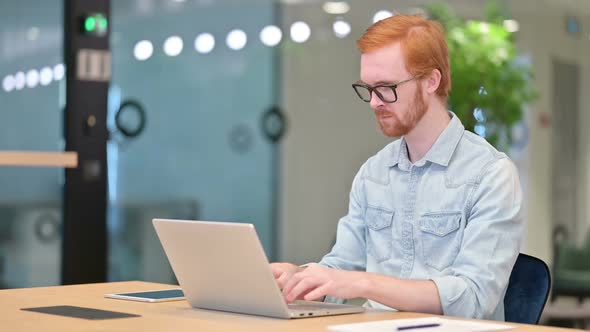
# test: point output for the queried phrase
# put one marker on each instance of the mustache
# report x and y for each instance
(381, 112)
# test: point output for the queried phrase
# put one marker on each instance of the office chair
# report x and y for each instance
(528, 289)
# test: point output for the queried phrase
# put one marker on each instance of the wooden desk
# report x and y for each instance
(167, 316)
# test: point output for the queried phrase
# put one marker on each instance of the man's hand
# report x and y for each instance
(317, 281)
(283, 272)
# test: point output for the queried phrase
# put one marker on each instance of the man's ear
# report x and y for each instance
(433, 81)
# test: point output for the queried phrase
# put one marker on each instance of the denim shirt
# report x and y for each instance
(453, 217)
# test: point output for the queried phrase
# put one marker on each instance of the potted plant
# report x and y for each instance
(490, 88)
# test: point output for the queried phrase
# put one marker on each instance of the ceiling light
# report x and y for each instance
(45, 76)
(341, 28)
(19, 80)
(204, 43)
(271, 35)
(32, 78)
(381, 15)
(336, 7)
(143, 50)
(8, 83)
(236, 39)
(300, 32)
(173, 46)
(58, 72)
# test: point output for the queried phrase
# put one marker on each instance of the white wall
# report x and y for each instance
(332, 133)
(544, 38)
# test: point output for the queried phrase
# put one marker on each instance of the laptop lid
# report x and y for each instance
(221, 266)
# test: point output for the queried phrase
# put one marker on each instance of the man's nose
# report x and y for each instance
(375, 100)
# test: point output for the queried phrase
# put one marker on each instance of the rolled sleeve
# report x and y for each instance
(479, 276)
(455, 296)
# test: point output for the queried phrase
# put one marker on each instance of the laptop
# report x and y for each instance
(222, 266)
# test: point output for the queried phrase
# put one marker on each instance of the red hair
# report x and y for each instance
(422, 41)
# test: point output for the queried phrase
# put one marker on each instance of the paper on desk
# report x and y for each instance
(445, 325)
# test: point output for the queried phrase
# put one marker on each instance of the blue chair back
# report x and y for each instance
(528, 289)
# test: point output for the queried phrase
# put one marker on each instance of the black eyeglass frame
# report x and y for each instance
(372, 89)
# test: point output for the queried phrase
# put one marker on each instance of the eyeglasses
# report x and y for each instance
(386, 92)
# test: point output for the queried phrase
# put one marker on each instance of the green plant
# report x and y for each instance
(489, 88)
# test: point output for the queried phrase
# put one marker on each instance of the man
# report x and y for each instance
(434, 220)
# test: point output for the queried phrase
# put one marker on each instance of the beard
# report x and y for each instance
(409, 120)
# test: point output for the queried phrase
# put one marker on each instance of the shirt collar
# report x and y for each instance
(441, 151)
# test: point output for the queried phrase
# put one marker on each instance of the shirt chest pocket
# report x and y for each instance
(441, 238)
(379, 233)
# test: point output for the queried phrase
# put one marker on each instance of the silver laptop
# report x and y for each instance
(222, 266)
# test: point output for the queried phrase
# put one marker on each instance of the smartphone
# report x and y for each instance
(164, 295)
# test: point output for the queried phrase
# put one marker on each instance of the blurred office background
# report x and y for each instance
(250, 117)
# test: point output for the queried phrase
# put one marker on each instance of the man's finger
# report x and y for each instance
(292, 282)
(282, 280)
(317, 293)
(276, 271)
(302, 287)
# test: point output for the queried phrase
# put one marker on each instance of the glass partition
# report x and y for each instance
(31, 107)
(199, 76)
